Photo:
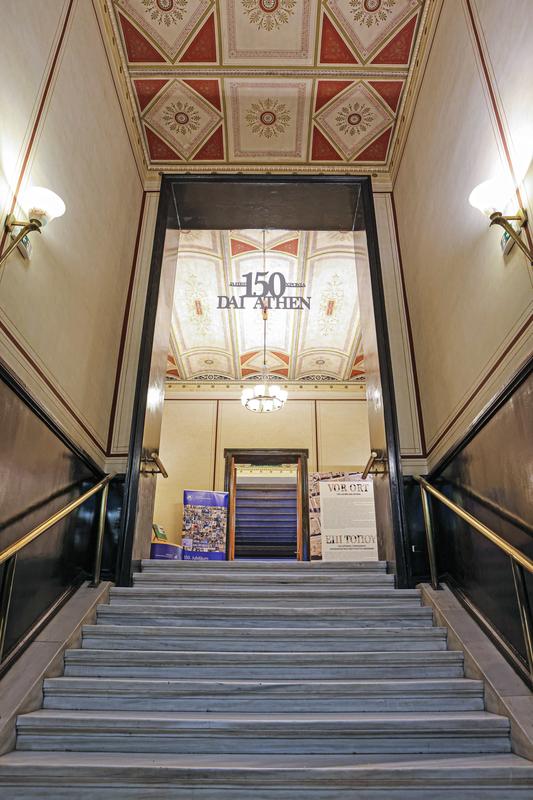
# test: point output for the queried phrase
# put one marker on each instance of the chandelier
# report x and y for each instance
(263, 398)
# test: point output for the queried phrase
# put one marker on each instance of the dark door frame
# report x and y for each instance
(276, 455)
(168, 216)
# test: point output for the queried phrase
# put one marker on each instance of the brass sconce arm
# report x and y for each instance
(25, 228)
(497, 218)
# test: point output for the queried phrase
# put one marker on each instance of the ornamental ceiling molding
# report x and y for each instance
(213, 155)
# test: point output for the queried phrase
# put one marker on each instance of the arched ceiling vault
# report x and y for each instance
(320, 343)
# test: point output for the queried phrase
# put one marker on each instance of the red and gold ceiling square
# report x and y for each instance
(268, 84)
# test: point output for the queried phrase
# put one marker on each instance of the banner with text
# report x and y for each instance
(315, 533)
(348, 521)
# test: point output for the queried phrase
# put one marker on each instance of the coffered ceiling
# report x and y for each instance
(273, 85)
(321, 343)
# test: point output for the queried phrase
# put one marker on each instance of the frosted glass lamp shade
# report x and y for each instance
(492, 195)
(262, 399)
(42, 205)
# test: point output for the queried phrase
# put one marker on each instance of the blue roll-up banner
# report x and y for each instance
(205, 517)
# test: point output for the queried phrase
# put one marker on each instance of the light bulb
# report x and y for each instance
(492, 195)
(42, 205)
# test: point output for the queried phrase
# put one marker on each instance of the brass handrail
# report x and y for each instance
(375, 456)
(489, 534)
(369, 465)
(154, 457)
(8, 556)
(519, 561)
(14, 548)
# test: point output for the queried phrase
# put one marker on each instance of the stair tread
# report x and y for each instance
(144, 684)
(318, 565)
(289, 657)
(447, 720)
(163, 630)
(264, 592)
(253, 611)
(257, 763)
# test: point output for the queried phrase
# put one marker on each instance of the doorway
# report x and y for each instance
(204, 203)
(268, 512)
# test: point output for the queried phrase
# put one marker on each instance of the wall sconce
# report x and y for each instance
(42, 206)
(490, 198)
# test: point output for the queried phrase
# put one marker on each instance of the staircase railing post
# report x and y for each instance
(100, 537)
(524, 609)
(6, 591)
(430, 538)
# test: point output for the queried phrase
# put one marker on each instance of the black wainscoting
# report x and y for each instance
(491, 476)
(40, 472)
(416, 533)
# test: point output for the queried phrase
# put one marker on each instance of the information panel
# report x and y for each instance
(348, 521)
(204, 525)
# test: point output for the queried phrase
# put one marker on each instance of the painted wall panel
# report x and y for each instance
(126, 389)
(187, 450)
(292, 427)
(467, 303)
(194, 435)
(343, 437)
(402, 367)
(509, 57)
(63, 311)
(27, 45)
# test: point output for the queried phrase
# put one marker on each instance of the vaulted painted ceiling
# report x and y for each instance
(299, 85)
(317, 344)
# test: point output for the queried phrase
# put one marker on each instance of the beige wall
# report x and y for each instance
(468, 304)
(195, 432)
(62, 127)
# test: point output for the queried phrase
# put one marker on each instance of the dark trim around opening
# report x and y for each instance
(351, 214)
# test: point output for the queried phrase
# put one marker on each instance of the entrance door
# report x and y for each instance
(266, 519)
(266, 504)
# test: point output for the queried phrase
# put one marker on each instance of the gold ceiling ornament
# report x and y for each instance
(263, 398)
(371, 12)
(181, 117)
(268, 14)
(167, 12)
(354, 118)
(268, 118)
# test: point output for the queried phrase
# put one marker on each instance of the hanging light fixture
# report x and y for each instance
(264, 398)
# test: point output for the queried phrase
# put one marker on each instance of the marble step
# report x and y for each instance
(247, 578)
(303, 696)
(158, 776)
(264, 566)
(369, 616)
(228, 639)
(341, 733)
(263, 665)
(228, 595)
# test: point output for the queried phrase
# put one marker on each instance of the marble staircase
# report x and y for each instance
(228, 681)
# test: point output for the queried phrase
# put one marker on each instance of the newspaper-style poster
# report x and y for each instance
(348, 520)
(315, 529)
(205, 517)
